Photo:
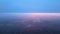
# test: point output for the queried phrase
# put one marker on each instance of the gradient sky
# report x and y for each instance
(30, 6)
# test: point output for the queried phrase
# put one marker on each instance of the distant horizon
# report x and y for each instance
(29, 12)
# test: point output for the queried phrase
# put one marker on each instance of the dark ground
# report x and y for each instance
(10, 24)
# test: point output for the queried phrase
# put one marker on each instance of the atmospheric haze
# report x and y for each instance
(29, 23)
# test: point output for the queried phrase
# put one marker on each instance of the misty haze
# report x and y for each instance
(29, 23)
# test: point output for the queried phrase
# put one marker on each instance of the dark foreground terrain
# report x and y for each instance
(13, 23)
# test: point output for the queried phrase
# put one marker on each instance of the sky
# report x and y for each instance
(24, 6)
